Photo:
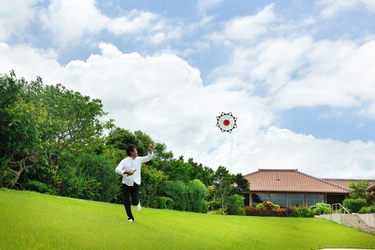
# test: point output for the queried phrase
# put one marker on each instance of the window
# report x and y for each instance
(313, 199)
(258, 198)
(279, 199)
(296, 200)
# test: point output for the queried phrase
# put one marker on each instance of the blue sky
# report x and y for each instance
(298, 75)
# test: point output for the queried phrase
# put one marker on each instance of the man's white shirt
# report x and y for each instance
(128, 164)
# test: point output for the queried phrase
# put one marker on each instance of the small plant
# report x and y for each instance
(367, 210)
(321, 208)
(354, 205)
(302, 212)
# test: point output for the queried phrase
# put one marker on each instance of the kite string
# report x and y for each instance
(231, 150)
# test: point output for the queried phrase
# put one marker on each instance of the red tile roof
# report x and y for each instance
(346, 182)
(290, 180)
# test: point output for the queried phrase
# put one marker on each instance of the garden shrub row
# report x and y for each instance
(267, 208)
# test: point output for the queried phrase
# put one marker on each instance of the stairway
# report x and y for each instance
(353, 220)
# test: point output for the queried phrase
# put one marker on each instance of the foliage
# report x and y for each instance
(234, 205)
(302, 211)
(40, 123)
(177, 191)
(321, 208)
(240, 184)
(100, 168)
(367, 210)
(163, 203)
(152, 180)
(222, 181)
(38, 186)
(268, 205)
(196, 194)
(262, 211)
(354, 205)
(358, 190)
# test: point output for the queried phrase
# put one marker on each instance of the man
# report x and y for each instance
(130, 169)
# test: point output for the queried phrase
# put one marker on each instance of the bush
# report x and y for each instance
(261, 211)
(38, 186)
(164, 203)
(367, 210)
(235, 204)
(305, 212)
(268, 205)
(354, 205)
(220, 211)
(321, 208)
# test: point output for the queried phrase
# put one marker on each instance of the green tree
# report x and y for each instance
(101, 169)
(222, 182)
(22, 124)
(235, 205)
(152, 180)
(240, 184)
(358, 190)
(177, 191)
(196, 193)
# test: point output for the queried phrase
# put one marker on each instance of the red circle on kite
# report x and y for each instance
(226, 122)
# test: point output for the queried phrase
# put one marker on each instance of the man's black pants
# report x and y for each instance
(128, 191)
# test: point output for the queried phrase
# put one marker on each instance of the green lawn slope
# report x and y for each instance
(31, 220)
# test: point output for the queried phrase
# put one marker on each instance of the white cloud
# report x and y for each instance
(134, 22)
(249, 27)
(15, 18)
(281, 148)
(72, 21)
(204, 5)
(333, 7)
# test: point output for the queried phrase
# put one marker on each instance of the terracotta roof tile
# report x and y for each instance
(290, 180)
(346, 182)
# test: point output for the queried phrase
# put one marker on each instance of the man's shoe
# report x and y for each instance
(130, 220)
(139, 207)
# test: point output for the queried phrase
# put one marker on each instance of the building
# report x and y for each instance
(289, 187)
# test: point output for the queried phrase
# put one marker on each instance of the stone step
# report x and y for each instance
(353, 220)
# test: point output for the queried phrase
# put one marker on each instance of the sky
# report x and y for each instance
(298, 75)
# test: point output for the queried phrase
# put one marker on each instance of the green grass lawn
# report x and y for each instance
(31, 220)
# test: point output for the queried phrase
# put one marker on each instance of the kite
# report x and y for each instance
(226, 122)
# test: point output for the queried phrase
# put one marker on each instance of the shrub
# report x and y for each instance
(261, 211)
(302, 212)
(354, 205)
(268, 205)
(367, 210)
(164, 203)
(38, 186)
(220, 211)
(235, 204)
(321, 208)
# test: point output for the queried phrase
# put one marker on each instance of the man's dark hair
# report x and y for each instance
(130, 149)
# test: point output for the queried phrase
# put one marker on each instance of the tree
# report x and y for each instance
(100, 169)
(223, 181)
(152, 179)
(21, 128)
(41, 124)
(196, 194)
(240, 184)
(358, 190)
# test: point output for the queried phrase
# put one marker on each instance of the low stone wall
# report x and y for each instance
(369, 219)
(350, 219)
(332, 217)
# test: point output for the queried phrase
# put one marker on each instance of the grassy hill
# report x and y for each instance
(31, 220)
